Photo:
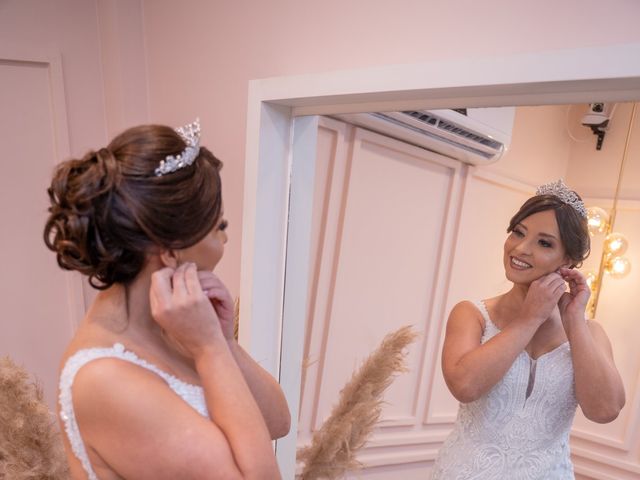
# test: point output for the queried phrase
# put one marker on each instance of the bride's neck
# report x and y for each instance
(125, 308)
(517, 294)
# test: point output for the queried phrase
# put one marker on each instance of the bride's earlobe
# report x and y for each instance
(169, 258)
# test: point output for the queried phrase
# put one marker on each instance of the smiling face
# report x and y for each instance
(533, 248)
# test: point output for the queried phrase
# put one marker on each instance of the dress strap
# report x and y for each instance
(192, 394)
(490, 328)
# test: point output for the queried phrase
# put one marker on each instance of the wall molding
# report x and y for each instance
(589, 454)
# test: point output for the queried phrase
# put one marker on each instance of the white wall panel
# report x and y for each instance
(384, 218)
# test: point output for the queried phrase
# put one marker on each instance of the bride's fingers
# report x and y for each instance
(179, 282)
(161, 283)
(160, 292)
(572, 273)
(191, 279)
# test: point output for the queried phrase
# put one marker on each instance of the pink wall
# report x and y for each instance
(44, 118)
(69, 28)
(202, 53)
(124, 67)
(540, 146)
(101, 45)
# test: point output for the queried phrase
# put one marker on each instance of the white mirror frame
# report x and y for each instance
(276, 210)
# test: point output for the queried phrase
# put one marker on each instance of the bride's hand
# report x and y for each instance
(542, 297)
(221, 300)
(180, 307)
(573, 303)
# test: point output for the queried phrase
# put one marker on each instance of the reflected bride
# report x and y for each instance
(521, 362)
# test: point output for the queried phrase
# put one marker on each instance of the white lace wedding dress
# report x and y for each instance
(520, 429)
(192, 394)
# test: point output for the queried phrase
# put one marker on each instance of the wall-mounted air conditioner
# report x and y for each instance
(475, 135)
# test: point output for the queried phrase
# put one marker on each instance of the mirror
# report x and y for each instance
(400, 234)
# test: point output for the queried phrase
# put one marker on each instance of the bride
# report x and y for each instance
(521, 362)
(153, 384)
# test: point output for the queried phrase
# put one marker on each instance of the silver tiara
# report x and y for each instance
(560, 190)
(190, 133)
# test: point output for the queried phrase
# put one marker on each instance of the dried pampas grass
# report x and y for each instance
(333, 448)
(30, 443)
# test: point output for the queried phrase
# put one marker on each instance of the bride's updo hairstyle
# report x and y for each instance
(109, 209)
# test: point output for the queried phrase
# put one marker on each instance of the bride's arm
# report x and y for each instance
(470, 368)
(599, 387)
(266, 392)
(236, 413)
(265, 389)
(136, 425)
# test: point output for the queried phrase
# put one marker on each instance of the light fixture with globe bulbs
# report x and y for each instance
(612, 262)
(597, 219)
(615, 244)
(618, 267)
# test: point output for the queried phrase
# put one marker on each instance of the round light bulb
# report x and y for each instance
(618, 267)
(597, 219)
(615, 244)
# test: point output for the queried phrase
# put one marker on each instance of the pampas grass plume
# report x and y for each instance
(30, 442)
(333, 448)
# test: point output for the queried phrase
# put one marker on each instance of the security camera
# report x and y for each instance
(597, 116)
(597, 119)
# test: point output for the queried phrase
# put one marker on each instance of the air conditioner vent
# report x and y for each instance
(478, 136)
(451, 128)
(436, 136)
(423, 117)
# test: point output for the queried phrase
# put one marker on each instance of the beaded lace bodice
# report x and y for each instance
(520, 429)
(192, 394)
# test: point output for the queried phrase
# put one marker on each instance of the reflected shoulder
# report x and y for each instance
(465, 312)
(465, 308)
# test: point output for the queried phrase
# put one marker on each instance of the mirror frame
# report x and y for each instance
(281, 134)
